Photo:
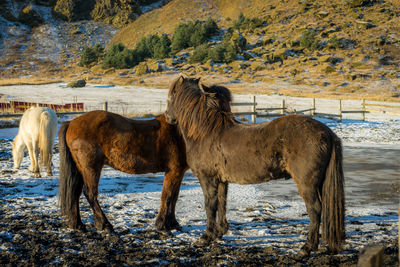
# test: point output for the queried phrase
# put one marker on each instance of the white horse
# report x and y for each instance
(37, 130)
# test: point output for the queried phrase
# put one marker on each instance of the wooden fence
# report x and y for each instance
(263, 112)
(16, 109)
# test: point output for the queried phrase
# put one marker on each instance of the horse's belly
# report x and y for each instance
(133, 165)
(247, 179)
(252, 174)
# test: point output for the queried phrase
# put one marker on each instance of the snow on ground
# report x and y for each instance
(270, 213)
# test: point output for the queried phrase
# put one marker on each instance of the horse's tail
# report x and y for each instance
(70, 180)
(333, 200)
(46, 138)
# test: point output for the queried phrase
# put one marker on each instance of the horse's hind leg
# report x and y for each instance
(166, 216)
(223, 225)
(34, 155)
(74, 218)
(91, 178)
(314, 207)
(49, 167)
(49, 163)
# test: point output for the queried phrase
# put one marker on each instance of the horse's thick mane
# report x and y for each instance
(199, 109)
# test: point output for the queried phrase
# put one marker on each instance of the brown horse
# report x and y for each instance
(220, 150)
(99, 138)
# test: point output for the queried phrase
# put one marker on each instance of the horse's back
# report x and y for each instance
(103, 124)
(125, 144)
(268, 150)
(31, 120)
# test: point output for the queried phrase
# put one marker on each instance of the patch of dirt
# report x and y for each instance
(42, 239)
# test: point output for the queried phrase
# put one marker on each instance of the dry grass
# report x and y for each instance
(27, 81)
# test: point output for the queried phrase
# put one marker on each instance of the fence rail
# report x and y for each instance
(255, 111)
(312, 111)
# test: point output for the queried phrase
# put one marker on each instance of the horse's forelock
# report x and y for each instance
(200, 112)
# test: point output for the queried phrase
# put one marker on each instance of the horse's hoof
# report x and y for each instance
(200, 243)
(303, 253)
(82, 228)
(37, 175)
(177, 227)
(79, 228)
(108, 231)
(204, 240)
(163, 226)
(165, 233)
(49, 174)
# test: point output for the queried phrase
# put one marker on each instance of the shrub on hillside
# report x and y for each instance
(335, 43)
(359, 3)
(243, 23)
(91, 55)
(192, 34)
(162, 48)
(200, 54)
(221, 53)
(119, 57)
(153, 46)
(309, 40)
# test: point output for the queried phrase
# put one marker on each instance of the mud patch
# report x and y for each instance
(43, 240)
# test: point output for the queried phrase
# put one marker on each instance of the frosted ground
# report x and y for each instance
(269, 215)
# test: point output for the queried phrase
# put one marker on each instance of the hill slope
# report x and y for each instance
(353, 51)
(357, 51)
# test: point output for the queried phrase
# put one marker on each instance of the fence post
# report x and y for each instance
(313, 108)
(253, 110)
(283, 107)
(340, 109)
(363, 109)
(105, 106)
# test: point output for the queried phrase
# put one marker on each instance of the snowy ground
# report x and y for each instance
(261, 216)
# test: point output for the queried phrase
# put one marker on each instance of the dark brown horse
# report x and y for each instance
(220, 150)
(99, 138)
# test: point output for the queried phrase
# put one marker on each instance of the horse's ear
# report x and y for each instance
(201, 88)
(181, 79)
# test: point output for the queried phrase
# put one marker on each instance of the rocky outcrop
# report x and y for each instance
(73, 10)
(77, 83)
(114, 12)
(30, 17)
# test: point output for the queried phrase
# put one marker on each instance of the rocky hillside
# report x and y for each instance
(48, 36)
(340, 47)
(345, 47)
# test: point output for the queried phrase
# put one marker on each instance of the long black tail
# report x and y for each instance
(70, 178)
(333, 207)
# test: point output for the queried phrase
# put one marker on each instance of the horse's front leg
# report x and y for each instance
(223, 224)
(210, 190)
(166, 216)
